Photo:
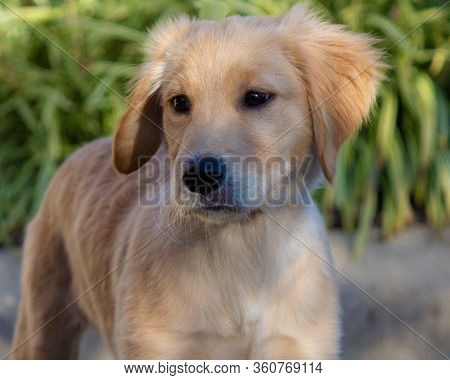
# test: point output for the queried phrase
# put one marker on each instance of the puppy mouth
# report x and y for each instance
(223, 208)
(225, 213)
(217, 206)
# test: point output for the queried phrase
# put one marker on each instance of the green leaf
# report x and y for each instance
(212, 9)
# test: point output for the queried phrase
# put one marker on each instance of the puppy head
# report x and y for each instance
(271, 88)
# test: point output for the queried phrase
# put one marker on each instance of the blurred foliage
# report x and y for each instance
(64, 65)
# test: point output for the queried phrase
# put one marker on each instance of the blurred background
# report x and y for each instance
(64, 69)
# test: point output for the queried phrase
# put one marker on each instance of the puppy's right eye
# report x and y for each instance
(180, 103)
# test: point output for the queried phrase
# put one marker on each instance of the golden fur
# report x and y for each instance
(169, 283)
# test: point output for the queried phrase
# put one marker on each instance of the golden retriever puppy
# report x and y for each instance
(185, 245)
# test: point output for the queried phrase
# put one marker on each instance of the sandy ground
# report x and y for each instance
(395, 298)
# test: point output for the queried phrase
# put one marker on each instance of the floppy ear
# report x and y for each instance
(140, 131)
(341, 72)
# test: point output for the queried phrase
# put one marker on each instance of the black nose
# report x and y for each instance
(204, 175)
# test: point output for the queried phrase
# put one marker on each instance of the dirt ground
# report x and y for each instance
(395, 298)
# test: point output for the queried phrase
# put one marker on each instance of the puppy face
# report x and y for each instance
(242, 103)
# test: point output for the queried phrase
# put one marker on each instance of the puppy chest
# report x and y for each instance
(227, 329)
(232, 297)
(227, 309)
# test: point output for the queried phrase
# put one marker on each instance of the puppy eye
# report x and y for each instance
(180, 103)
(254, 99)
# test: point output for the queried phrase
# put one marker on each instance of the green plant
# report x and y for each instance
(63, 68)
(396, 169)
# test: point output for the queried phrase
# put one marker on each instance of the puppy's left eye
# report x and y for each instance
(254, 99)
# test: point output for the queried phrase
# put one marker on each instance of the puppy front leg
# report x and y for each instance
(43, 330)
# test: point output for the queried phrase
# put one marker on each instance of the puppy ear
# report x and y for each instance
(341, 72)
(140, 131)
